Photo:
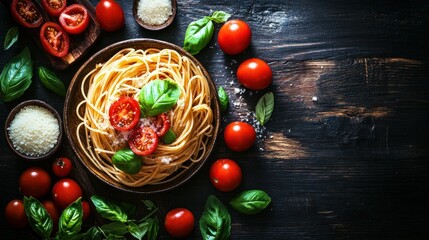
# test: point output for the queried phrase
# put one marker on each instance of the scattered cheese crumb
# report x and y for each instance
(34, 131)
(314, 99)
(166, 159)
(154, 12)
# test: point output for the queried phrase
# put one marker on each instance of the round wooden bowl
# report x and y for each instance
(154, 27)
(74, 97)
(12, 115)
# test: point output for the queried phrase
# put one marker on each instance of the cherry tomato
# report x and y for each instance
(62, 167)
(254, 74)
(86, 208)
(143, 140)
(234, 36)
(124, 113)
(239, 136)
(53, 211)
(160, 124)
(54, 39)
(15, 214)
(65, 192)
(26, 13)
(54, 7)
(225, 175)
(34, 181)
(74, 19)
(110, 15)
(179, 222)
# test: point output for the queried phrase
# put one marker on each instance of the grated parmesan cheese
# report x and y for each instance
(34, 131)
(154, 12)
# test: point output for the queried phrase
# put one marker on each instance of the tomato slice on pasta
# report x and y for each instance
(143, 140)
(124, 114)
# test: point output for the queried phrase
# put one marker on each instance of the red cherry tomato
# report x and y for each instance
(15, 214)
(239, 136)
(143, 140)
(65, 192)
(225, 175)
(54, 39)
(53, 211)
(86, 208)
(34, 181)
(26, 13)
(234, 36)
(160, 124)
(179, 222)
(54, 7)
(62, 167)
(254, 74)
(74, 19)
(124, 113)
(110, 15)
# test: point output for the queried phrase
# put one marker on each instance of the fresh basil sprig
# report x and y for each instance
(158, 96)
(11, 37)
(70, 221)
(16, 76)
(250, 202)
(215, 222)
(200, 32)
(109, 210)
(265, 107)
(223, 99)
(127, 161)
(51, 81)
(38, 217)
(151, 227)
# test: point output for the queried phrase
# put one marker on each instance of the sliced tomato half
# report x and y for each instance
(54, 7)
(162, 124)
(74, 19)
(54, 39)
(124, 113)
(26, 13)
(143, 140)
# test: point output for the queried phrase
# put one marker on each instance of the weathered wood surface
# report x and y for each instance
(351, 164)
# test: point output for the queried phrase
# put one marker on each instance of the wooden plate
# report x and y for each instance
(74, 97)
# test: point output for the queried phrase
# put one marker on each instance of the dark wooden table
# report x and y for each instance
(352, 164)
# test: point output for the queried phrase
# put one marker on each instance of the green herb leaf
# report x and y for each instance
(115, 228)
(152, 227)
(158, 96)
(127, 161)
(38, 217)
(115, 237)
(16, 76)
(11, 37)
(109, 210)
(220, 16)
(169, 137)
(215, 222)
(93, 233)
(50, 80)
(70, 221)
(265, 107)
(250, 202)
(136, 231)
(129, 208)
(223, 99)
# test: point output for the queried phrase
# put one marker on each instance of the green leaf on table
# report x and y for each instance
(115, 228)
(109, 210)
(250, 202)
(215, 221)
(38, 217)
(70, 221)
(136, 231)
(223, 99)
(11, 37)
(152, 227)
(265, 107)
(51, 81)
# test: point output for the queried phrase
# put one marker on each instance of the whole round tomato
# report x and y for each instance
(239, 136)
(110, 15)
(74, 19)
(86, 208)
(179, 222)
(234, 36)
(52, 210)
(26, 13)
(143, 140)
(54, 39)
(54, 7)
(254, 74)
(65, 192)
(62, 167)
(124, 113)
(225, 175)
(34, 181)
(15, 214)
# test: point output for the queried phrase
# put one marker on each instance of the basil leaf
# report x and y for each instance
(127, 161)
(128, 208)
(114, 237)
(265, 107)
(38, 217)
(94, 233)
(169, 137)
(70, 221)
(198, 34)
(11, 37)
(109, 210)
(223, 99)
(215, 222)
(152, 226)
(50, 80)
(16, 75)
(250, 202)
(115, 228)
(219, 16)
(136, 231)
(158, 96)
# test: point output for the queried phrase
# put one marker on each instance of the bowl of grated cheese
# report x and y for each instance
(154, 14)
(34, 130)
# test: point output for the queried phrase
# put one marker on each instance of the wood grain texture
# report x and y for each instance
(351, 164)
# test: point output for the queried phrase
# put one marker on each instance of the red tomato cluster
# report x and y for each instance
(37, 182)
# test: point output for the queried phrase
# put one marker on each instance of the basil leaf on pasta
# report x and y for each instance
(158, 96)
(127, 161)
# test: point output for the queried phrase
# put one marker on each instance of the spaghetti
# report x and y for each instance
(125, 74)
